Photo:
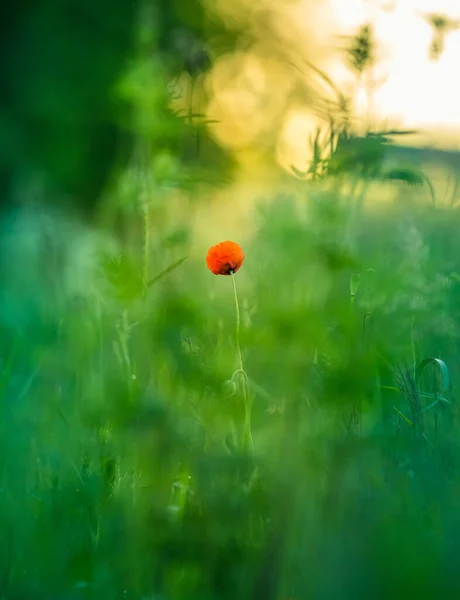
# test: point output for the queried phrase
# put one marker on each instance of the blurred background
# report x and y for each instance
(321, 136)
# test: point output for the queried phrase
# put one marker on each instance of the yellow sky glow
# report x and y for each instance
(417, 91)
(412, 91)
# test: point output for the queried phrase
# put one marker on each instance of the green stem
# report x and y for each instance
(248, 442)
(146, 244)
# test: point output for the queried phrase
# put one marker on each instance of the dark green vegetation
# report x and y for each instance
(121, 469)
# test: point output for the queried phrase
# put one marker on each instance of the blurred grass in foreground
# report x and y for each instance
(120, 416)
(121, 470)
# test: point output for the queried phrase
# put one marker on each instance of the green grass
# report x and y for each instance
(122, 471)
(127, 468)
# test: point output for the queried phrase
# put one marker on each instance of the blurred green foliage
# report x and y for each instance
(121, 469)
(57, 112)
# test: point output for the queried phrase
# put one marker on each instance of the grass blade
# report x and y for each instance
(166, 271)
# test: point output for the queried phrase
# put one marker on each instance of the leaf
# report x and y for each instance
(166, 271)
(405, 174)
(442, 370)
(391, 132)
(364, 155)
(410, 175)
(391, 388)
(403, 416)
(299, 173)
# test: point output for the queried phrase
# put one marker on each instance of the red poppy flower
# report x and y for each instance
(225, 258)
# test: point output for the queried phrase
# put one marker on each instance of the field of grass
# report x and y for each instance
(141, 460)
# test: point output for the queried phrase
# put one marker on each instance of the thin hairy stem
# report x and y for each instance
(248, 443)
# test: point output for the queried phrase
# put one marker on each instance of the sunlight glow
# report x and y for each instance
(260, 99)
(416, 91)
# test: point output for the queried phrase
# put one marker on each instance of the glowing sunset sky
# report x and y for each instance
(416, 91)
(412, 91)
